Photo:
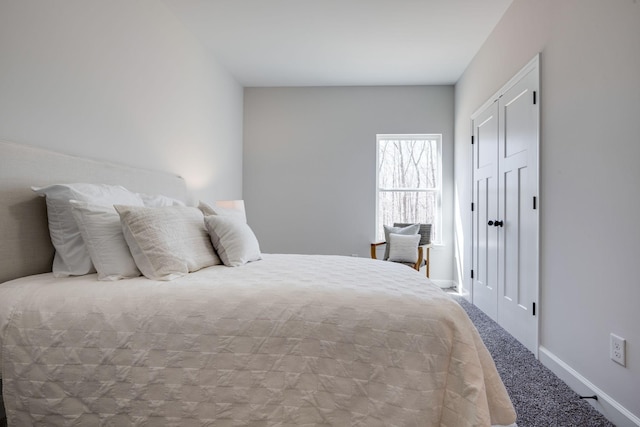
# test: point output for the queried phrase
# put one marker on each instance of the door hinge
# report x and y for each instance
(471, 206)
(534, 309)
(534, 97)
(471, 139)
(534, 203)
(472, 274)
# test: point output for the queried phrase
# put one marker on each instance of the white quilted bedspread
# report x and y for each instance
(291, 340)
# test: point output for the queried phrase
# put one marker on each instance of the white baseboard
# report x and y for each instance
(444, 284)
(606, 405)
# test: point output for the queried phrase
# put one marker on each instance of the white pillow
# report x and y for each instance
(167, 242)
(409, 229)
(233, 239)
(403, 248)
(158, 200)
(218, 209)
(72, 257)
(102, 233)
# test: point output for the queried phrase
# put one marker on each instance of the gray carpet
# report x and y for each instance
(539, 397)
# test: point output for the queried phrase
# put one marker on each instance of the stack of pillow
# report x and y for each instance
(120, 234)
(402, 243)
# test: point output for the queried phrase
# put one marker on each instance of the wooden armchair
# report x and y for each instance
(424, 247)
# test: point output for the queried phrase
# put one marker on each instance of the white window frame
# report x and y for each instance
(437, 227)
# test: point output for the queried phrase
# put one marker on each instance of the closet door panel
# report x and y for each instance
(485, 248)
(512, 245)
(517, 117)
(517, 286)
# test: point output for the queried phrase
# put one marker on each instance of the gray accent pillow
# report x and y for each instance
(403, 248)
(408, 230)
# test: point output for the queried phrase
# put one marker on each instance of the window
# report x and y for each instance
(409, 182)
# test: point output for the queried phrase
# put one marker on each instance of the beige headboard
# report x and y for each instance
(25, 246)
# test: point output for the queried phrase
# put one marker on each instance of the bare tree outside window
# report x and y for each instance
(409, 188)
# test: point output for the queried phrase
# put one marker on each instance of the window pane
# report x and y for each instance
(408, 163)
(408, 206)
(409, 187)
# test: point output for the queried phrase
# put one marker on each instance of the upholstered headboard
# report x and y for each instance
(25, 246)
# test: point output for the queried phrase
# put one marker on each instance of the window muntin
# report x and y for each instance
(409, 181)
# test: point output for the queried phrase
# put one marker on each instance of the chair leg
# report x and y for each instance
(418, 263)
(428, 264)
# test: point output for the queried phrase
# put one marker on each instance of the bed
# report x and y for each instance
(286, 340)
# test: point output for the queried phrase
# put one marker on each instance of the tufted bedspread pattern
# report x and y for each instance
(292, 340)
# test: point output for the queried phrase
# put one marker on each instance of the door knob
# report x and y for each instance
(490, 223)
(498, 223)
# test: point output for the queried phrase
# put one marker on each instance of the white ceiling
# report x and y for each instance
(342, 42)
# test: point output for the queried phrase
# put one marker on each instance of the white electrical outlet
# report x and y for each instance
(617, 349)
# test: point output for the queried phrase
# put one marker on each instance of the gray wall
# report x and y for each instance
(589, 204)
(310, 163)
(122, 81)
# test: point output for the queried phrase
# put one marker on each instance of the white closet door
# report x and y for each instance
(517, 246)
(505, 220)
(485, 211)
